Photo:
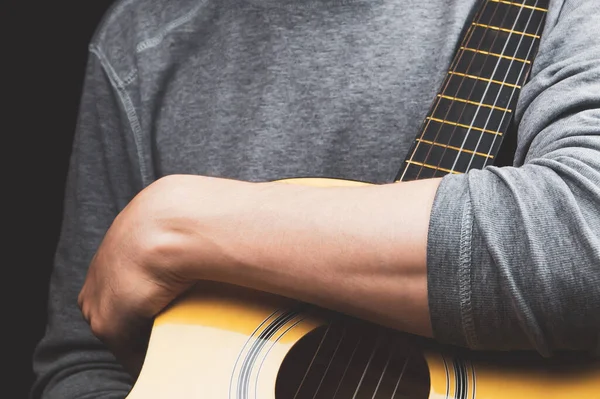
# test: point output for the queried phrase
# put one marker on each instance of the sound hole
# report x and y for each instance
(353, 360)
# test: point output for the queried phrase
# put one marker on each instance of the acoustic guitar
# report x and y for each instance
(222, 341)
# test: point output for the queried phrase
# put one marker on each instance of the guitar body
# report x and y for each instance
(223, 341)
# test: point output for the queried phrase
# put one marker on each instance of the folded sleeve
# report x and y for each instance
(514, 252)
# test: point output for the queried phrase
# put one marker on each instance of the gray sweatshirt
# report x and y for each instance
(266, 89)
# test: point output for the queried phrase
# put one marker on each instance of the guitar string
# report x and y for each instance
(347, 366)
(488, 86)
(454, 129)
(371, 356)
(400, 377)
(496, 37)
(453, 66)
(464, 78)
(392, 350)
(518, 78)
(501, 85)
(313, 359)
(330, 363)
(531, 46)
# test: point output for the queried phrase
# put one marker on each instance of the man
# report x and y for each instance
(191, 108)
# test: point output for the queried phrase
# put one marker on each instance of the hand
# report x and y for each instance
(144, 260)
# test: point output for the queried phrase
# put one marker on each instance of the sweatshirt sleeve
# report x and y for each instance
(514, 252)
(69, 362)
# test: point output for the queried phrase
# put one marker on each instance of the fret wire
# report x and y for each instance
(511, 31)
(506, 76)
(466, 99)
(518, 15)
(516, 32)
(491, 67)
(455, 62)
(464, 126)
(489, 80)
(481, 154)
(466, 39)
(512, 3)
(497, 45)
(425, 165)
(540, 26)
(468, 115)
(464, 75)
(496, 55)
(462, 100)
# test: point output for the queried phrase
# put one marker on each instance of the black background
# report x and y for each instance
(42, 59)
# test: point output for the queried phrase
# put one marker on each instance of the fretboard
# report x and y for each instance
(472, 112)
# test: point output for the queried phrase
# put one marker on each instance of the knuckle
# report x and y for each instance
(100, 328)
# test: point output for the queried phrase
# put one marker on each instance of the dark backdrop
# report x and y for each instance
(42, 60)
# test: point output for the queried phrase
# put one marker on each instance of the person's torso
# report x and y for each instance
(266, 89)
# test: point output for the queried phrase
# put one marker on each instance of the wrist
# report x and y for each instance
(219, 219)
(273, 230)
(244, 230)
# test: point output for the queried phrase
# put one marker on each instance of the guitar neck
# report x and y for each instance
(472, 111)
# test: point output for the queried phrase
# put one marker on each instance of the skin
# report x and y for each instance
(357, 250)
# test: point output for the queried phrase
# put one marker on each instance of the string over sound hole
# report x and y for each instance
(350, 359)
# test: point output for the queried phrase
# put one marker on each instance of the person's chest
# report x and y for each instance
(261, 93)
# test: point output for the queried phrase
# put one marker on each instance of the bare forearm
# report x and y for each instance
(359, 250)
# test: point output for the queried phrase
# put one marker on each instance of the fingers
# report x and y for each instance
(120, 328)
(130, 347)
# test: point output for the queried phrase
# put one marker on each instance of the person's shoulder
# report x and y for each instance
(129, 27)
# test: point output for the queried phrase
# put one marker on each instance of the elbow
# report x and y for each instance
(541, 251)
